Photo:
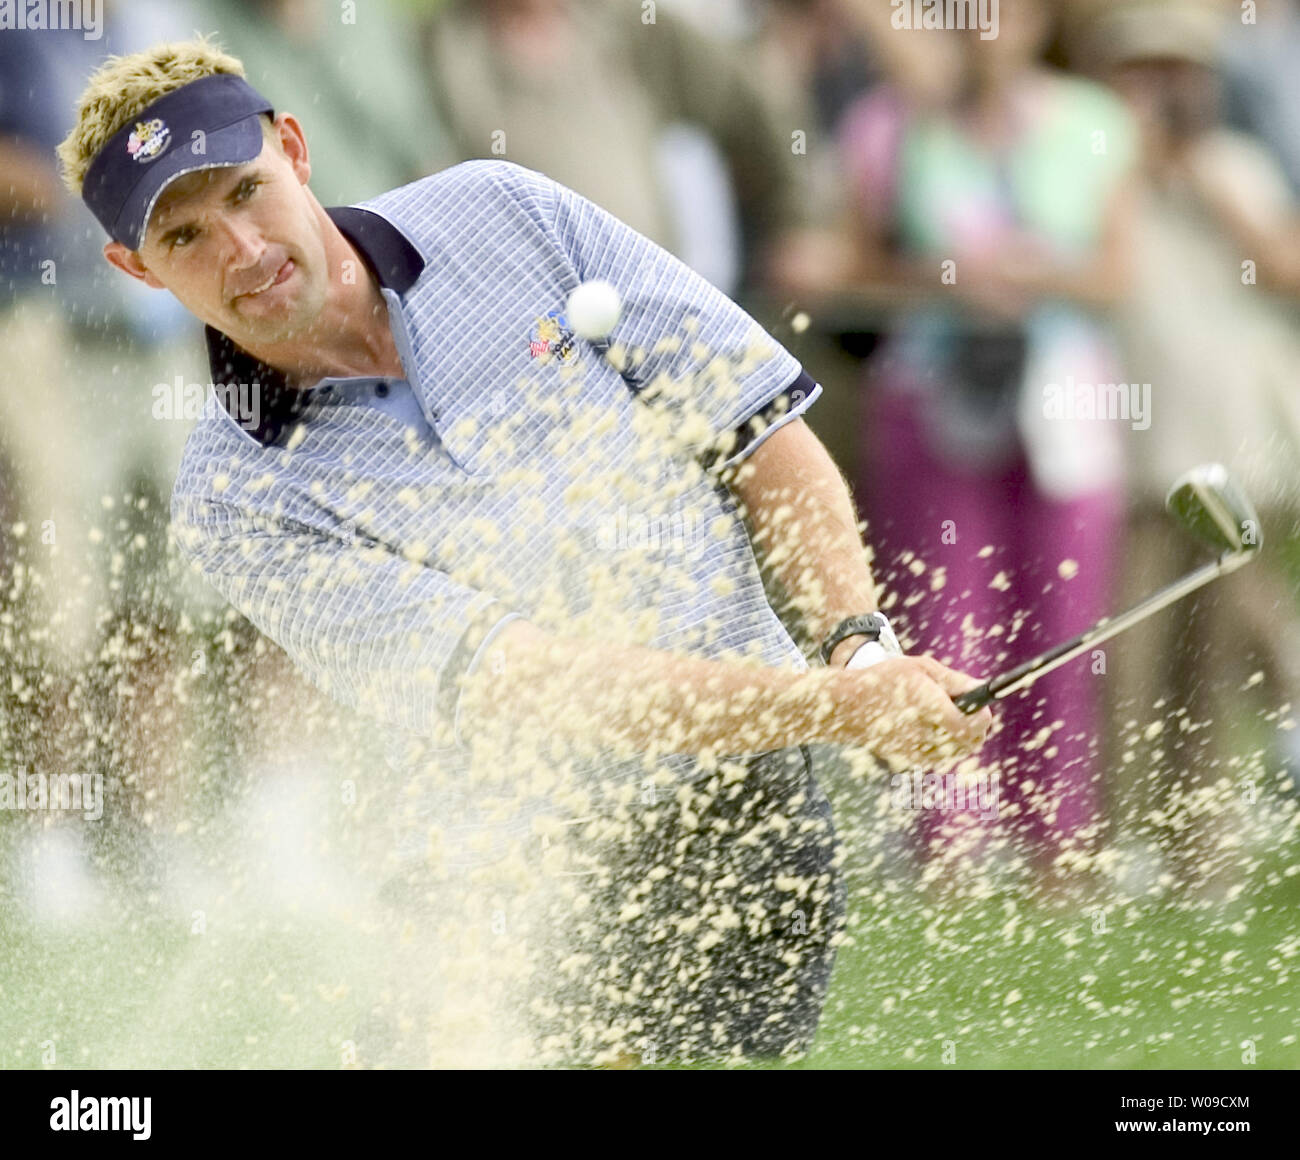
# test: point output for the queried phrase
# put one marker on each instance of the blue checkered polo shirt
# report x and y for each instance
(382, 531)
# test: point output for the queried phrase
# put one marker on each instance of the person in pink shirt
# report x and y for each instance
(994, 500)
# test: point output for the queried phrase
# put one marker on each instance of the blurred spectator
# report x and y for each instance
(1215, 218)
(814, 61)
(981, 500)
(820, 54)
(357, 87)
(29, 181)
(923, 67)
(29, 191)
(820, 63)
(90, 655)
(1260, 65)
(699, 196)
(583, 90)
(97, 348)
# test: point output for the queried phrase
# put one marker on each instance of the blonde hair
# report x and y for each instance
(123, 86)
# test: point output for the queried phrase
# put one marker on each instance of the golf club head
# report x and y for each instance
(1211, 505)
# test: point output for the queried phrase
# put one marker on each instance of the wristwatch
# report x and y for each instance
(874, 626)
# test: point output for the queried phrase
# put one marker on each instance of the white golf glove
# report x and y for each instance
(871, 653)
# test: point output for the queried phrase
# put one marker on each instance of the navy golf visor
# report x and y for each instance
(208, 123)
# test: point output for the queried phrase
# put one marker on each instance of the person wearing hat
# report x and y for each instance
(1210, 323)
(522, 551)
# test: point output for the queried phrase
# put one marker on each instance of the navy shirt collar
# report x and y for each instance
(396, 263)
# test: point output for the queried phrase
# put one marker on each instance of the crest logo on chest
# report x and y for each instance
(552, 339)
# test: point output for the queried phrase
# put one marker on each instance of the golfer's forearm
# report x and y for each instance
(537, 686)
(805, 526)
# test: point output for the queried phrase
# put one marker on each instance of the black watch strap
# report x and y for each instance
(868, 625)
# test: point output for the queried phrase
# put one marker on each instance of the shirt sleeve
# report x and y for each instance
(389, 637)
(787, 406)
(679, 342)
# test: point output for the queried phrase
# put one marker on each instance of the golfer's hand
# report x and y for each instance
(902, 709)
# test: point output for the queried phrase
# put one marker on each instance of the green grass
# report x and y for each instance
(154, 996)
(989, 983)
(1159, 986)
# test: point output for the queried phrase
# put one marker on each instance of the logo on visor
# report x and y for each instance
(148, 139)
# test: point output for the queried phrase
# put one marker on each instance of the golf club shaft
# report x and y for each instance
(1027, 673)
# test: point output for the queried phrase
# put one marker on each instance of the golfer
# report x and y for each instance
(508, 543)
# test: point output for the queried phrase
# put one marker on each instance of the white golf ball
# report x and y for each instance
(593, 309)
